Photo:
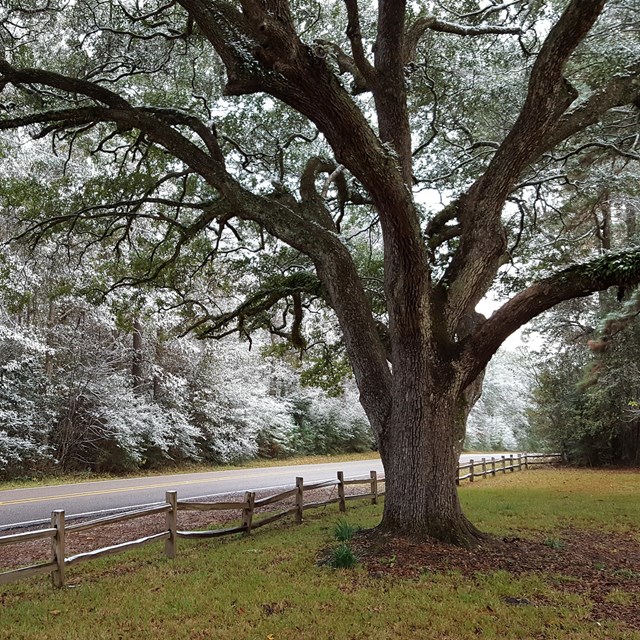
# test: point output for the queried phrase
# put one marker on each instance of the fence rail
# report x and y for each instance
(122, 517)
(58, 530)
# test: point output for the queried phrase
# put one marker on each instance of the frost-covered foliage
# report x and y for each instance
(330, 424)
(23, 401)
(254, 406)
(236, 405)
(499, 419)
(112, 385)
(102, 423)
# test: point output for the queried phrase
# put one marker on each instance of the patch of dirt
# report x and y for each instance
(604, 567)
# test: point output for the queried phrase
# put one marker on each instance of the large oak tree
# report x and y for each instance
(380, 97)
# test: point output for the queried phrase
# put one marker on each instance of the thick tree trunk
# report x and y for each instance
(420, 457)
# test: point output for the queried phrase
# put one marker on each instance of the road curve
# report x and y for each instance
(27, 507)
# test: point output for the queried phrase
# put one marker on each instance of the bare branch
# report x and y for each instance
(612, 148)
(58, 81)
(335, 176)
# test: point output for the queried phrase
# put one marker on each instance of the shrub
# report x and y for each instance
(343, 531)
(342, 557)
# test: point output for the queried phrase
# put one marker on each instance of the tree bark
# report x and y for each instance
(137, 356)
(421, 460)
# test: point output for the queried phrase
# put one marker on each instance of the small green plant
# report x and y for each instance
(553, 543)
(342, 557)
(391, 562)
(343, 531)
(627, 573)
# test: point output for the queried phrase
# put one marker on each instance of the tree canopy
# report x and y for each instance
(391, 161)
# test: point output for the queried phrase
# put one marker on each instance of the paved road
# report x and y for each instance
(30, 506)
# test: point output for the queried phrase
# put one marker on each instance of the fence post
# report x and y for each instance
(511, 463)
(471, 470)
(342, 503)
(519, 462)
(493, 466)
(247, 512)
(526, 461)
(299, 499)
(171, 498)
(504, 464)
(58, 547)
(484, 467)
(374, 487)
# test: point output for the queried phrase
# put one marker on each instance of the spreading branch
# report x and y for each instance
(421, 25)
(619, 269)
(483, 241)
(257, 304)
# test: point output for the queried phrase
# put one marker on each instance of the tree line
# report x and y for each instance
(112, 386)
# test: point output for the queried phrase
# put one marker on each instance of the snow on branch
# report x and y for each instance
(430, 23)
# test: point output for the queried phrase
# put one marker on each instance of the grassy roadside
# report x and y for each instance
(269, 586)
(72, 478)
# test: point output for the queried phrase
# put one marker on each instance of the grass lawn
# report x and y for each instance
(270, 587)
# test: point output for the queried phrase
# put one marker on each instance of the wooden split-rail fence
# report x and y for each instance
(490, 466)
(59, 530)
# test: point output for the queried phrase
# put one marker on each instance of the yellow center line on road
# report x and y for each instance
(159, 485)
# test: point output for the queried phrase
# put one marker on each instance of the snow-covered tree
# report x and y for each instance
(25, 408)
(112, 385)
(498, 419)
